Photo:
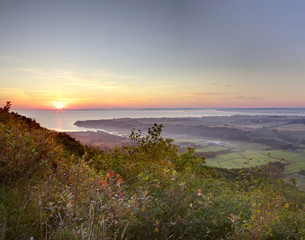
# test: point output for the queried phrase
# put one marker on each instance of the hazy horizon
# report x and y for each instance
(64, 119)
(152, 54)
(159, 108)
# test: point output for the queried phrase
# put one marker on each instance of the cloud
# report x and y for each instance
(109, 79)
(219, 85)
(102, 79)
(41, 94)
(10, 91)
(12, 94)
(47, 98)
(10, 58)
(48, 95)
(203, 94)
(41, 74)
(90, 83)
(106, 74)
(248, 97)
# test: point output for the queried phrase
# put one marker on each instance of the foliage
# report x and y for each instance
(51, 187)
(70, 144)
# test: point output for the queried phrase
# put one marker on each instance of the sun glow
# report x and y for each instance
(58, 105)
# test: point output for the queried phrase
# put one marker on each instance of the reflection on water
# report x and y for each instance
(58, 119)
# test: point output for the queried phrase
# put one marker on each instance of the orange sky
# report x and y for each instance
(161, 54)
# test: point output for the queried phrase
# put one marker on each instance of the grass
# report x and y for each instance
(243, 146)
(296, 160)
(300, 179)
(237, 160)
(240, 153)
(212, 149)
(189, 140)
(231, 160)
(259, 155)
(248, 158)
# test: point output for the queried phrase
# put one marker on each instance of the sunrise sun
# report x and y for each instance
(59, 105)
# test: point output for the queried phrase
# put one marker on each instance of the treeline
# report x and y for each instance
(52, 187)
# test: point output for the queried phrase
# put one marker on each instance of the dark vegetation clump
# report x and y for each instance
(70, 144)
(52, 187)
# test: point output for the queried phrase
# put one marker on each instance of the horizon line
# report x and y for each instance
(187, 108)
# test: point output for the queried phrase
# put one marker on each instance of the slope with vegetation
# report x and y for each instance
(52, 187)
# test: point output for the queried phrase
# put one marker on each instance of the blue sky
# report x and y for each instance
(152, 53)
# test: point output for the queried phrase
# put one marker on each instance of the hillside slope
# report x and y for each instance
(52, 187)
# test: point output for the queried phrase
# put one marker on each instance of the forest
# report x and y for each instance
(54, 187)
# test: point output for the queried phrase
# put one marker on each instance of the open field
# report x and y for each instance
(296, 160)
(212, 149)
(248, 158)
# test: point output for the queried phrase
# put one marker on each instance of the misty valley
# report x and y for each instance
(225, 141)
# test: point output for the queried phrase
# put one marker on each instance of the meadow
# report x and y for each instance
(232, 155)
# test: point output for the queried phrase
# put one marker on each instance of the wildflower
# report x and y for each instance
(199, 192)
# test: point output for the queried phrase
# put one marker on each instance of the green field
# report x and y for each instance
(244, 154)
(296, 160)
(189, 140)
(212, 149)
(248, 158)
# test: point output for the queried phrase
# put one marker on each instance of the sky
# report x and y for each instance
(152, 53)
